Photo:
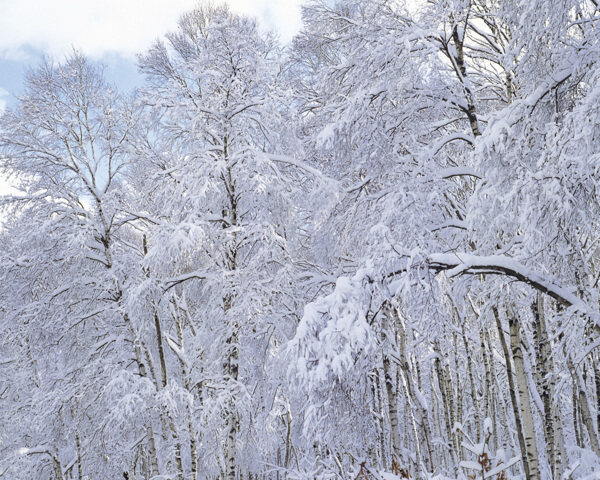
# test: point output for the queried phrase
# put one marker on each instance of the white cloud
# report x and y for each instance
(125, 27)
(280, 15)
(3, 99)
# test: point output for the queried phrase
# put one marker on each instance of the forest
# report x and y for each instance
(371, 254)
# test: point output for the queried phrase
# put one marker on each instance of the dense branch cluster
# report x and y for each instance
(372, 254)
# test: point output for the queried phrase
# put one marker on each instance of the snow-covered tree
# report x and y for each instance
(64, 267)
(371, 255)
(216, 157)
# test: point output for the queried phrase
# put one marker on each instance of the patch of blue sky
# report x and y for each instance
(110, 32)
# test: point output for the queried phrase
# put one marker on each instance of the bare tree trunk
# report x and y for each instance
(512, 390)
(474, 392)
(386, 453)
(576, 428)
(488, 375)
(392, 396)
(561, 456)
(288, 441)
(377, 381)
(166, 420)
(489, 399)
(413, 420)
(446, 406)
(163, 384)
(597, 385)
(584, 408)
(458, 63)
(142, 372)
(186, 383)
(163, 371)
(232, 360)
(79, 457)
(58, 471)
(545, 378)
(405, 375)
(232, 428)
(391, 390)
(523, 389)
(410, 387)
(230, 450)
(438, 422)
(161, 351)
(453, 410)
(178, 460)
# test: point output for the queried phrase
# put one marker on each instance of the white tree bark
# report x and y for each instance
(524, 399)
(545, 380)
(512, 390)
(392, 396)
(585, 411)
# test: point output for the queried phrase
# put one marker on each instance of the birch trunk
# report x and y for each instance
(163, 372)
(545, 379)
(474, 392)
(288, 440)
(188, 387)
(525, 403)
(453, 418)
(584, 408)
(409, 383)
(391, 390)
(392, 400)
(446, 404)
(576, 428)
(406, 381)
(232, 427)
(232, 361)
(143, 373)
(597, 385)
(79, 457)
(458, 62)
(163, 384)
(561, 454)
(512, 390)
(382, 406)
(488, 401)
(58, 471)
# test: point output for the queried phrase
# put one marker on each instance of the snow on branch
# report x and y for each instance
(302, 166)
(442, 142)
(196, 275)
(333, 331)
(553, 81)
(460, 263)
(458, 172)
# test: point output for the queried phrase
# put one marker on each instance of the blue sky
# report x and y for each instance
(108, 31)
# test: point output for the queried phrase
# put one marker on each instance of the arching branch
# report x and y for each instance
(460, 263)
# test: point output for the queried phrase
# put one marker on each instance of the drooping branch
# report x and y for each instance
(172, 282)
(460, 263)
